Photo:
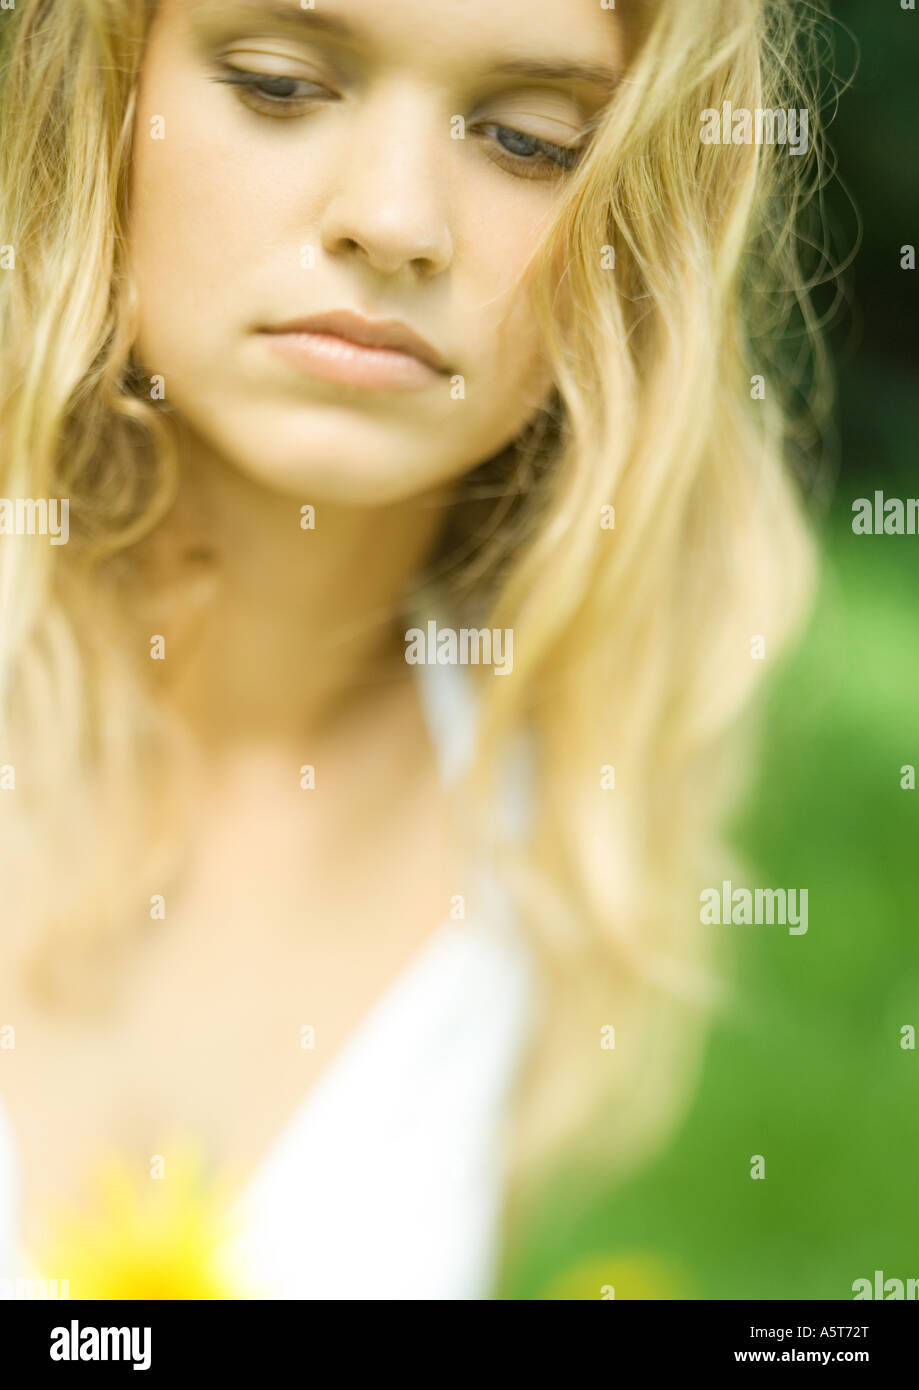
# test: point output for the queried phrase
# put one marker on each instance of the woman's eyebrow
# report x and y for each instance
(290, 16)
(559, 71)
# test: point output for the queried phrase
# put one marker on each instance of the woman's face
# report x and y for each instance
(293, 160)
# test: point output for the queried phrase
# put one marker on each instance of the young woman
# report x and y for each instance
(402, 376)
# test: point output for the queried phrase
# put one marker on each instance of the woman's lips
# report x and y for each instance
(327, 357)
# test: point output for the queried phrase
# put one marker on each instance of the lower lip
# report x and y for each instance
(327, 358)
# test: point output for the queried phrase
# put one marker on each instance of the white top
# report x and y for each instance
(387, 1183)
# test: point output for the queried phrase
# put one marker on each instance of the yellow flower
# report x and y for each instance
(619, 1276)
(145, 1237)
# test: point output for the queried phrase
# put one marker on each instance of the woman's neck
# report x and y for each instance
(273, 619)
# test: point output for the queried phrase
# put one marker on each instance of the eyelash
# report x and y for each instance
(553, 161)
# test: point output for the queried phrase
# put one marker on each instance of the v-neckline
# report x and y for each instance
(356, 1043)
(448, 709)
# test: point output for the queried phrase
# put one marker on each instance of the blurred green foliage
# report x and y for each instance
(805, 1067)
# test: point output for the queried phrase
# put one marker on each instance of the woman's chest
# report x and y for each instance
(253, 976)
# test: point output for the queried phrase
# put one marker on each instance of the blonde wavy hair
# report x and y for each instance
(682, 280)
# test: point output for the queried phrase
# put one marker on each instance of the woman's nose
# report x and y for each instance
(389, 201)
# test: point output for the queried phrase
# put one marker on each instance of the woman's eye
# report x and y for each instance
(527, 155)
(276, 96)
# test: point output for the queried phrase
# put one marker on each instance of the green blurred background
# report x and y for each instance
(807, 1068)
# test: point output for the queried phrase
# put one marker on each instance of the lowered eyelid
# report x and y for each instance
(264, 46)
(507, 108)
(270, 65)
(216, 44)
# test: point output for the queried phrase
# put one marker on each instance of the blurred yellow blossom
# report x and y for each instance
(620, 1276)
(140, 1237)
